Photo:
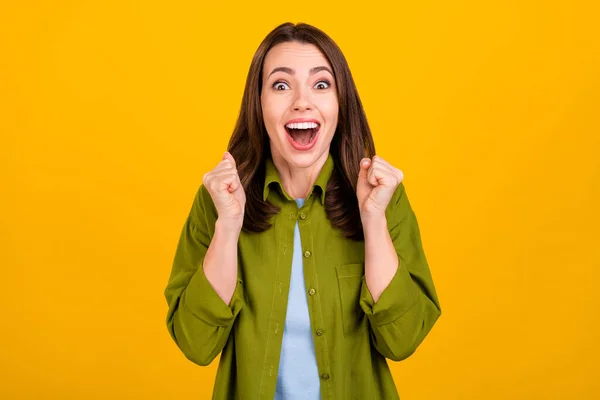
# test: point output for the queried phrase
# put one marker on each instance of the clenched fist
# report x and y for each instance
(226, 190)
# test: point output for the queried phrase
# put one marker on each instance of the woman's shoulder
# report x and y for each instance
(203, 208)
(398, 197)
(399, 205)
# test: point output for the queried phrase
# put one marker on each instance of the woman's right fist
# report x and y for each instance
(226, 190)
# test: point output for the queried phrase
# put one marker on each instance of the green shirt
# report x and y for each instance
(352, 334)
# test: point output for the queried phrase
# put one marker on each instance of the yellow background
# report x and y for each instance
(112, 111)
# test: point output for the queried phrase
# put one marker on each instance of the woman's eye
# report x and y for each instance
(279, 85)
(322, 85)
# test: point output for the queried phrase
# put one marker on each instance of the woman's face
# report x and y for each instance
(299, 101)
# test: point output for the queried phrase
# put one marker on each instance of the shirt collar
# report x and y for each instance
(272, 175)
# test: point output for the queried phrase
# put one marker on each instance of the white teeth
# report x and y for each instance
(302, 125)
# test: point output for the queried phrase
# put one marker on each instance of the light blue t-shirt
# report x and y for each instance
(298, 376)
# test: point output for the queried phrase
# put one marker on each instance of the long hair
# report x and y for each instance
(352, 140)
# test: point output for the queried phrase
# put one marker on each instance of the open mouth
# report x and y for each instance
(303, 133)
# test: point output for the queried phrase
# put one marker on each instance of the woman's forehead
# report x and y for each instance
(295, 55)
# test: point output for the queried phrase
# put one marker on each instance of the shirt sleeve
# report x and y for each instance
(198, 320)
(408, 307)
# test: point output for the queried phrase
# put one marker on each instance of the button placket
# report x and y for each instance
(320, 341)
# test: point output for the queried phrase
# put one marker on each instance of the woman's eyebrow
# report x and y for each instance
(290, 71)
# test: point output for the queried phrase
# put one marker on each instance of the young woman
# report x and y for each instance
(301, 258)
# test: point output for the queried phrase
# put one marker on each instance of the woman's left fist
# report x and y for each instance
(377, 182)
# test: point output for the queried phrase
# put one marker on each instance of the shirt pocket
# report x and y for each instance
(349, 284)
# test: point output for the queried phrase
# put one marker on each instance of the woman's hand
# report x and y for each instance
(226, 190)
(377, 182)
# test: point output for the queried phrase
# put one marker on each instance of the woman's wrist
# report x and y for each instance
(229, 227)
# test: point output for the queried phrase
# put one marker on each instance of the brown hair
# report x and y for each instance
(249, 143)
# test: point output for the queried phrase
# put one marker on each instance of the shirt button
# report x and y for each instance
(307, 253)
(320, 332)
(302, 216)
(312, 292)
(325, 376)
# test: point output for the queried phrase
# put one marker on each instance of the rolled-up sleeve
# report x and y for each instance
(198, 320)
(409, 306)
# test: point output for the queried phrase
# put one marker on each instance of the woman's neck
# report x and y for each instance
(298, 180)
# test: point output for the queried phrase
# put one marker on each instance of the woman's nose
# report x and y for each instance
(302, 101)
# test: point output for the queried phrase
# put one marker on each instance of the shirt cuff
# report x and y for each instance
(397, 298)
(202, 300)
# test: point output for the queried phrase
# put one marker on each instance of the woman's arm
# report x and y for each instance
(203, 293)
(220, 263)
(381, 260)
(398, 294)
